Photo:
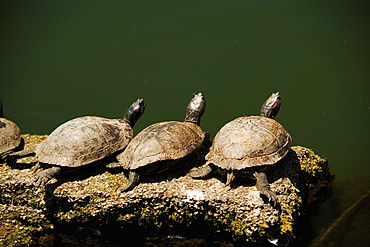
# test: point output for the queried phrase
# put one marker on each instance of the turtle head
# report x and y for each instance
(195, 109)
(134, 112)
(271, 106)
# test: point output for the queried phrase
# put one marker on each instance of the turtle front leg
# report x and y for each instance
(263, 186)
(133, 180)
(41, 178)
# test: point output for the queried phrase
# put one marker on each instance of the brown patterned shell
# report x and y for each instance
(248, 142)
(162, 141)
(84, 140)
(10, 135)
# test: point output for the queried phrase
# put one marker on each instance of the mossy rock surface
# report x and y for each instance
(21, 225)
(170, 202)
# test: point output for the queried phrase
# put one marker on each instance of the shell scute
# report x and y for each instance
(162, 141)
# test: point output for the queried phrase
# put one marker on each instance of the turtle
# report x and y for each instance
(249, 145)
(159, 146)
(85, 140)
(10, 136)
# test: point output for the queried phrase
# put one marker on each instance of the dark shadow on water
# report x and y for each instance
(136, 237)
(342, 220)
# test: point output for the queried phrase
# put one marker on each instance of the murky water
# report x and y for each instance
(62, 60)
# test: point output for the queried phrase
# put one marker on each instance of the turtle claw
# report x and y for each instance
(263, 186)
(271, 196)
(41, 178)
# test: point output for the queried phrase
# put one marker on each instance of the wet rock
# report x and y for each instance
(170, 202)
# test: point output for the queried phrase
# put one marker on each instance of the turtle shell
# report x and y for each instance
(248, 142)
(10, 135)
(162, 141)
(84, 140)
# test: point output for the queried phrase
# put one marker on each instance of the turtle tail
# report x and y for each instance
(41, 178)
(133, 180)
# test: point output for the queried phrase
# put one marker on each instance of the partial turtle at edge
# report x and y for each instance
(10, 136)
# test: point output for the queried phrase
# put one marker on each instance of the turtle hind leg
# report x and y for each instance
(230, 176)
(22, 153)
(41, 178)
(263, 186)
(200, 172)
(133, 180)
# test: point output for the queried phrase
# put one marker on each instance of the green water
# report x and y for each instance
(64, 59)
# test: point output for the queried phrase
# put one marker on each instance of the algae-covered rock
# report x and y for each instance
(21, 225)
(15, 180)
(173, 202)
